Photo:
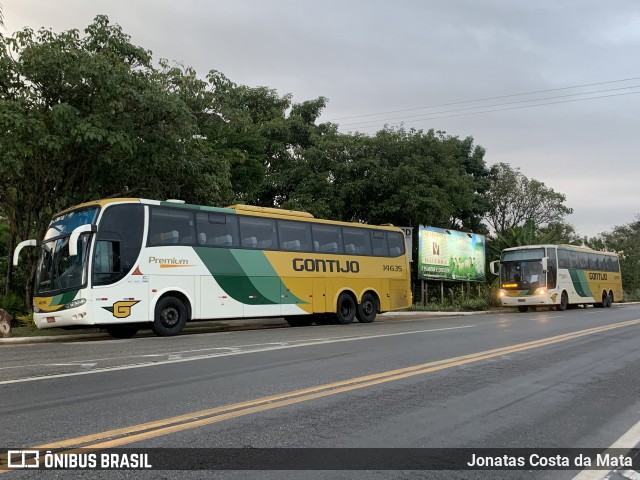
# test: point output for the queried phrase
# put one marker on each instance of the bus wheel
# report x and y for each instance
(170, 317)
(122, 331)
(346, 310)
(368, 308)
(299, 321)
(523, 308)
(606, 301)
(564, 302)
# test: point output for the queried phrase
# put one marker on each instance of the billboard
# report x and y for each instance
(450, 255)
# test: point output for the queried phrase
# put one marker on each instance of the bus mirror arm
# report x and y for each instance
(73, 240)
(21, 245)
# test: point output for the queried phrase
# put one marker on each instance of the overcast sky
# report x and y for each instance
(370, 57)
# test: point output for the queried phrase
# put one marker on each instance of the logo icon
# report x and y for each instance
(23, 459)
(122, 309)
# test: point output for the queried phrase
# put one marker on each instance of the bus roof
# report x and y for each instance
(239, 209)
(577, 248)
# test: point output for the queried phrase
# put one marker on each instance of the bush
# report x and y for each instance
(631, 295)
(13, 304)
(474, 305)
(25, 320)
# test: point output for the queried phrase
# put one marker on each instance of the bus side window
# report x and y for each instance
(294, 236)
(396, 243)
(169, 226)
(380, 246)
(217, 229)
(327, 238)
(357, 241)
(256, 232)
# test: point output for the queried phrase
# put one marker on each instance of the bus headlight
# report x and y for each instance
(76, 303)
(501, 293)
(541, 291)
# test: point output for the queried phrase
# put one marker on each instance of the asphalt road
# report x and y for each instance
(541, 379)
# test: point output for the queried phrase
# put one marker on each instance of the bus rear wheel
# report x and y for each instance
(368, 308)
(346, 309)
(606, 300)
(170, 317)
(122, 331)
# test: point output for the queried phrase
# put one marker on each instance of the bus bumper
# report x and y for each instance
(63, 318)
(520, 299)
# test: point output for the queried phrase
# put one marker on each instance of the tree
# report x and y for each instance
(624, 239)
(529, 234)
(88, 116)
(516, 199)
(395, 176)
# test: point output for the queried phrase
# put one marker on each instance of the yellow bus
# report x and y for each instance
(129, 263)
(559, 275)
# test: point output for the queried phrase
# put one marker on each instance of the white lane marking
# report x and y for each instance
(83, 365)
(310, 341)
(278, 346)
(629, 440)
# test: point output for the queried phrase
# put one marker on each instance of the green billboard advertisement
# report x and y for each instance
(450, 255)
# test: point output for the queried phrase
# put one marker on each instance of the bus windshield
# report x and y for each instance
(57, 270)
(65, 224)
(522, 269)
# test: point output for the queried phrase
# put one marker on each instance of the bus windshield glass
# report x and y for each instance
(57, 270)
(65, 224)
(522, 269)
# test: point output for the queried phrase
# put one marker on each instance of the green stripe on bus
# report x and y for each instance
(230, 267)
(63, 298)
(580, 283)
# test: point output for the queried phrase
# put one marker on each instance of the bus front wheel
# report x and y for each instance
(523, 308)
(368, 308)
(346, 310)
(564, 302)
(170, 317)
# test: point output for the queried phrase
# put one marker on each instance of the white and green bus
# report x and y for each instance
(125, 264)
(558, 275)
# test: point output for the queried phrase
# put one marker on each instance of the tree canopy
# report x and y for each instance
(515, 199)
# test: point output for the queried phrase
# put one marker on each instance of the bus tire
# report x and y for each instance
(606, 303)
(523, 308)
(346, 309)
(299, 321)
(122, 331)
(564, 302)
(170, 317)
(367, 309)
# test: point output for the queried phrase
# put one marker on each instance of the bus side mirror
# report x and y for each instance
(21, 245)
(493, 266)
(545, 261)
(75, 235)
